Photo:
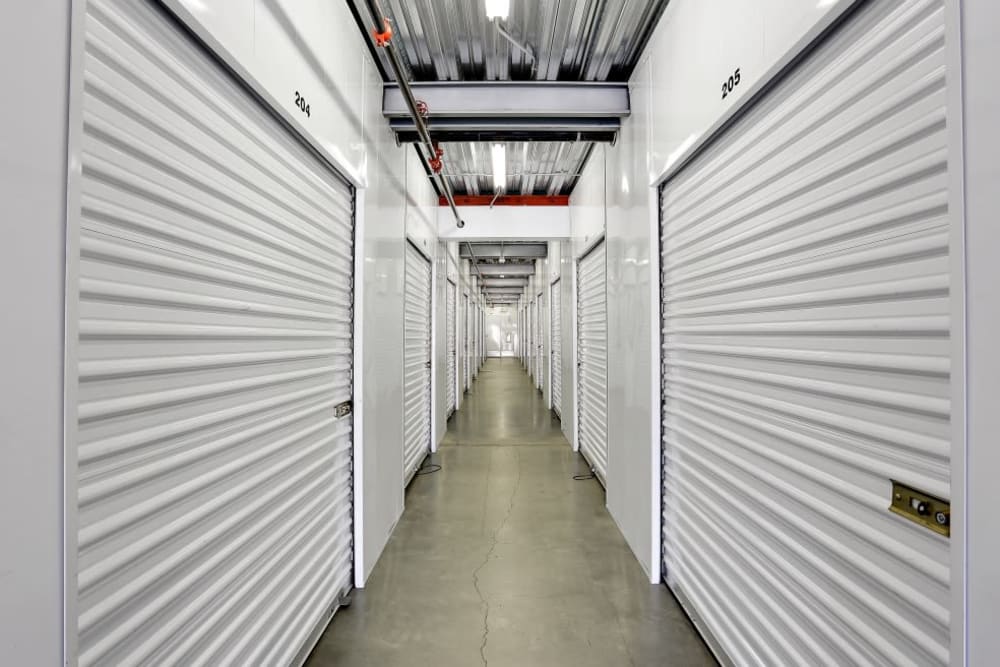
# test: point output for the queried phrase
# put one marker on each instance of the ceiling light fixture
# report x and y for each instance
(499, 167)
(497, 9)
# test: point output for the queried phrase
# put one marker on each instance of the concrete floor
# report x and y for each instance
(502, 559)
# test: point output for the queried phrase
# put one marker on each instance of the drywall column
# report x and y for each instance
(34, 66)
(982, 239)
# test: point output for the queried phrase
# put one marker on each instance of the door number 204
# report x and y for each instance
(729, 84)
(301, 103)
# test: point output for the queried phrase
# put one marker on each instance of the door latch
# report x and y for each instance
(922, 508)
(343, 409)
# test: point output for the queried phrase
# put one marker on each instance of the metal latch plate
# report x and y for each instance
(344, 409)
(927, 510)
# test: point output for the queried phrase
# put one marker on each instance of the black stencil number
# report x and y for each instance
(301, 103)
(729, 84)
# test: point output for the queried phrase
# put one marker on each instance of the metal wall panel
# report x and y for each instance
(806, 357)
(592, 378)
(556, 329)
(452, 391)
(213, 483)
(416, 362)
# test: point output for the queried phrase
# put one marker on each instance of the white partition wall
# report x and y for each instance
(806, 345)
(592, 357)
(416, 362)
(213, 434)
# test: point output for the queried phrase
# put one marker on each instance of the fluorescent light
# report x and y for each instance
(497, 9)
(499, 167)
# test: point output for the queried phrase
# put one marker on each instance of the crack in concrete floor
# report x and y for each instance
(484, 601)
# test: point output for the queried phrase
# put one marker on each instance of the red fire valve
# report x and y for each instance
(382, 38)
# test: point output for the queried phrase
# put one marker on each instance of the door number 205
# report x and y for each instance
(730, 83)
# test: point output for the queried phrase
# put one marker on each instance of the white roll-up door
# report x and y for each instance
(526, 336)
(474, 334)
(806, 347)
(556, 329)
(210, 467)
(592, 351)
(532, 316)
(467, 342)
(416, 362)
(452, 392)
(540, 341)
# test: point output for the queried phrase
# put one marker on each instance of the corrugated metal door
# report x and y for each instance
(416, 362)
(540, 341)
(532, 341)
(592, 376)
(806, 357)
(556, 329)
(524, 335)
(467, 343)
(213, 473)
(452, 392)
(478, 322)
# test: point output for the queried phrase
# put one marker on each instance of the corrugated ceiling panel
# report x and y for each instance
(533, 167)
(566, 40)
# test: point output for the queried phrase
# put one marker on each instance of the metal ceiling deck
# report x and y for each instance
(562, 40)
(533, 167)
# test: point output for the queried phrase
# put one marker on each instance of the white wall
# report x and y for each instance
(312, 47)
(381, 374)
(525, 223)
(34, 65)
(698, 44)
(632, 405)
(977, 594)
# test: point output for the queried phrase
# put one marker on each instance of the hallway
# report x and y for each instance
(501, 558)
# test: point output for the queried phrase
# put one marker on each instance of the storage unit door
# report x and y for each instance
(467, 342)
(416, 362)
(524, 337)
(452, 392)
(209, 470)
(592, 376)
(474, 315)
(532, 316)
(806, 357)
(556, 329)
(540, 345)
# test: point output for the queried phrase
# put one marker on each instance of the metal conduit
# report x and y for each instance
(404, 85)
(475, 263)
